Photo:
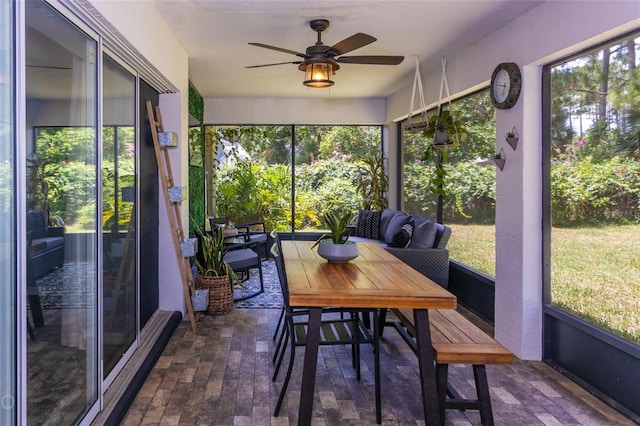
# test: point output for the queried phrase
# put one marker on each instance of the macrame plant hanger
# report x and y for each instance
(424, 122)
(444, 86)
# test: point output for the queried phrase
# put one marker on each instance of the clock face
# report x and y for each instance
(501, 86)
(505, 85)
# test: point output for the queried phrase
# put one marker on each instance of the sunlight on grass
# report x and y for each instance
(474, 246)
(595, 272)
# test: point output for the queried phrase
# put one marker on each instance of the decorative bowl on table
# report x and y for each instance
(337, 253)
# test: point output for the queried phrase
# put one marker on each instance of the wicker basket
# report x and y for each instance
(220, 295)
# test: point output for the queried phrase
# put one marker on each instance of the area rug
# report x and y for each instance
(272, 296)
(71, 286)
(66, 287)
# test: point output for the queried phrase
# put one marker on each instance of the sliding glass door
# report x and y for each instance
(62, 220)
(119, 190)
(8, 349)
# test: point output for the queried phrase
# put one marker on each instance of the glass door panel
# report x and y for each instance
(118, 212)
(62, 270)
(8, 348)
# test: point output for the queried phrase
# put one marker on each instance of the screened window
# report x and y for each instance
(594, 188)
(287, 176)
(449, 183)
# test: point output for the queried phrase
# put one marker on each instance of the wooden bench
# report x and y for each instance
(456, 340)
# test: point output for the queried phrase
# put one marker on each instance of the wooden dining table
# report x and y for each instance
(374, 280)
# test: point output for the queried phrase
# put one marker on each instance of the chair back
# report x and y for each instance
(276, 251)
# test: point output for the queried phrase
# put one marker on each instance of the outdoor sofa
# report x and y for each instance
(418, 242)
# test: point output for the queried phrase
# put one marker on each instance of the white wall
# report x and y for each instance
(548, 32)
(294, 111)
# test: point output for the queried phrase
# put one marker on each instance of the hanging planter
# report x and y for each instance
(499, 160)
(200, 300)
(189, 247)
(512, 138)
(177, 193)
(167, 139)
(443, 126)
(423, 123)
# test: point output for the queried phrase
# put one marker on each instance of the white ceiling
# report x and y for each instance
(215, 35)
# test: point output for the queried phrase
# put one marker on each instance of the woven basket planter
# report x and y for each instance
(220, 295)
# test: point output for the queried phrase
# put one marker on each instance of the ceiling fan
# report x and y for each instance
(320, 61)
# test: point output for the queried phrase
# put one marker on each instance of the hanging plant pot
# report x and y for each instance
(189, 247)
(200, 300)
(177, 193)
(512, 138)
(441, 137)
(167, 139)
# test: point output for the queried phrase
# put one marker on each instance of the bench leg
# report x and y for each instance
(426, 363)
(482, 389)
(442, 374)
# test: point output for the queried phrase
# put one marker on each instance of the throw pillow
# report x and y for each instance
(424, 234)
(368, 225)
(402, 237)
(396, 222)
(385, 218)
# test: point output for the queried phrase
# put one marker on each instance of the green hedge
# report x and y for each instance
(595, 193)
(582, 192)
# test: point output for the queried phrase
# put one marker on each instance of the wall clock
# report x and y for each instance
(505, 85)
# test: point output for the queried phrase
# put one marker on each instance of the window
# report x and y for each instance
(593, 152)
(256, 165)
(468, 205)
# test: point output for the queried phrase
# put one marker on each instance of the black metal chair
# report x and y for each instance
(341, 331)
(242, 255)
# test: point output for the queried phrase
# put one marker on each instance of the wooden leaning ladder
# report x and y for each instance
(173, 210)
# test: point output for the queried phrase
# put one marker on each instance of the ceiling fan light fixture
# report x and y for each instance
(318, 75)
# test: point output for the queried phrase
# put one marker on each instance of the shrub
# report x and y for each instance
(588, 193)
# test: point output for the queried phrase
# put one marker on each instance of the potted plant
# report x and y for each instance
(214, 273)
(512, 138)
(335, 245)
(445, 130)
(373, 184)
(447, 133)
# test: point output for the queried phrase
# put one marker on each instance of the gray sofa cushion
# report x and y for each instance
(424, 233)
(396, 222)
(385, 217)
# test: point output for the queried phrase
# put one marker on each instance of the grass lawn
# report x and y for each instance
(595, 271)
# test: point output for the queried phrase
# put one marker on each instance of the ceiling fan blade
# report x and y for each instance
(279, 49)
(270, 65)
(354, 42)
(371, 60)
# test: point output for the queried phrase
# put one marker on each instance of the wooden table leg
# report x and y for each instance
(309, 369)
(427, 367)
